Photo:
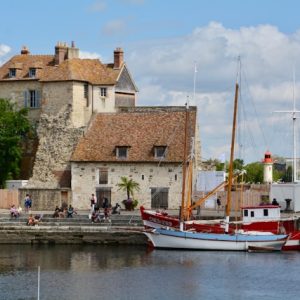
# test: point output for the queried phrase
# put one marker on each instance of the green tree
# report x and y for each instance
(288, 176)
(238, 164)
(255, 172)
(129, 186)
(14, 126)
(277, 175)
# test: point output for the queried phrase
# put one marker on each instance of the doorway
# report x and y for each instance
(101, 193)
(159, 198)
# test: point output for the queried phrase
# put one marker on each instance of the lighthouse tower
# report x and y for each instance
(268, 167)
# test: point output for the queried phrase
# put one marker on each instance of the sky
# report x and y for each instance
(179, 51)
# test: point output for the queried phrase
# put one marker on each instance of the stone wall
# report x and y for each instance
(103, 104)
(56, 95)
(85, 181)
(14, 91)
(45, 199)
(70, 235)
(57, 139)
(81, 107)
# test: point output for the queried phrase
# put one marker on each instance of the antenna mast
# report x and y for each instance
(294, 117)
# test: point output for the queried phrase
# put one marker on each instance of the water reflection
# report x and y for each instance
(99, 272)
(75, 258)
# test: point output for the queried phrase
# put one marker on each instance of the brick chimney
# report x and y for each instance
(73, 52)
(118, 58)
(25, 50)
(61, 51)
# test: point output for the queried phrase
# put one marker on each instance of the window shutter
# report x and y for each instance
(26, 99)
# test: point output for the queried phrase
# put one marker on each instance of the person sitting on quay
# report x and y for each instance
(116, 209)
(34, 220)
(96, 216)
(106, 207)
(56, 212)
(71, 211)
(14, 212)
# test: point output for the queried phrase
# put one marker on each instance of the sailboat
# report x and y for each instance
(232, 241)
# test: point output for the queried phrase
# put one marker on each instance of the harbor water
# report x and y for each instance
(129, 272)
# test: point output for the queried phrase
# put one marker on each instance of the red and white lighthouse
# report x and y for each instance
(268, 167)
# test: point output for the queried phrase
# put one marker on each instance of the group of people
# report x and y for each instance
(64, 212)
(15, 211)
(34, 220)
(96, 215)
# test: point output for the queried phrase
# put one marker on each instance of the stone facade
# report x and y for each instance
(62, 95)
(97, 166)
(45, 199)
(57, 139)
(85, 181)
(14, 91)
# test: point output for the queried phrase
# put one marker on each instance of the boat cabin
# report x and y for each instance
(260, 212)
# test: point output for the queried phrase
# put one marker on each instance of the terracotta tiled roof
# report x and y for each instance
(141, 131)
(23, 63)
(89, 70)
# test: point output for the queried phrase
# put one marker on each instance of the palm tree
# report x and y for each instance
(128, 185)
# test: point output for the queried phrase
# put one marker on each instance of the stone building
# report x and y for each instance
(89, 106)
(142, 143)
(63, 92)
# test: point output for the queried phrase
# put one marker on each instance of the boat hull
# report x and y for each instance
(173, 239)
(152, 219)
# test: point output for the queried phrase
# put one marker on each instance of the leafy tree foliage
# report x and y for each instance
(255, 172)
(14, 126)
(288, 176)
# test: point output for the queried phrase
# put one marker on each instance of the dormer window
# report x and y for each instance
(32, 72)
(160, 151)
(122, 152)
(12, 72)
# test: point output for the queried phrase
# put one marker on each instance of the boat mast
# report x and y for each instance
(184, 163)
(230, 176)
(294, 132)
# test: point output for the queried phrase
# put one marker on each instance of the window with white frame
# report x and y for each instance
(32, 72)
(103, 91)
(12, 72)
(122, 152)
(32, 99)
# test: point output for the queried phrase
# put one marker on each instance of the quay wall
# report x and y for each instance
(22, 234)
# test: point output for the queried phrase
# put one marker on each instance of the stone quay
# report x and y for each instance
(125, 229)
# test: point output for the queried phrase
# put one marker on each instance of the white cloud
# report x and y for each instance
(86, 54)
(164, 73)
(4, 50)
